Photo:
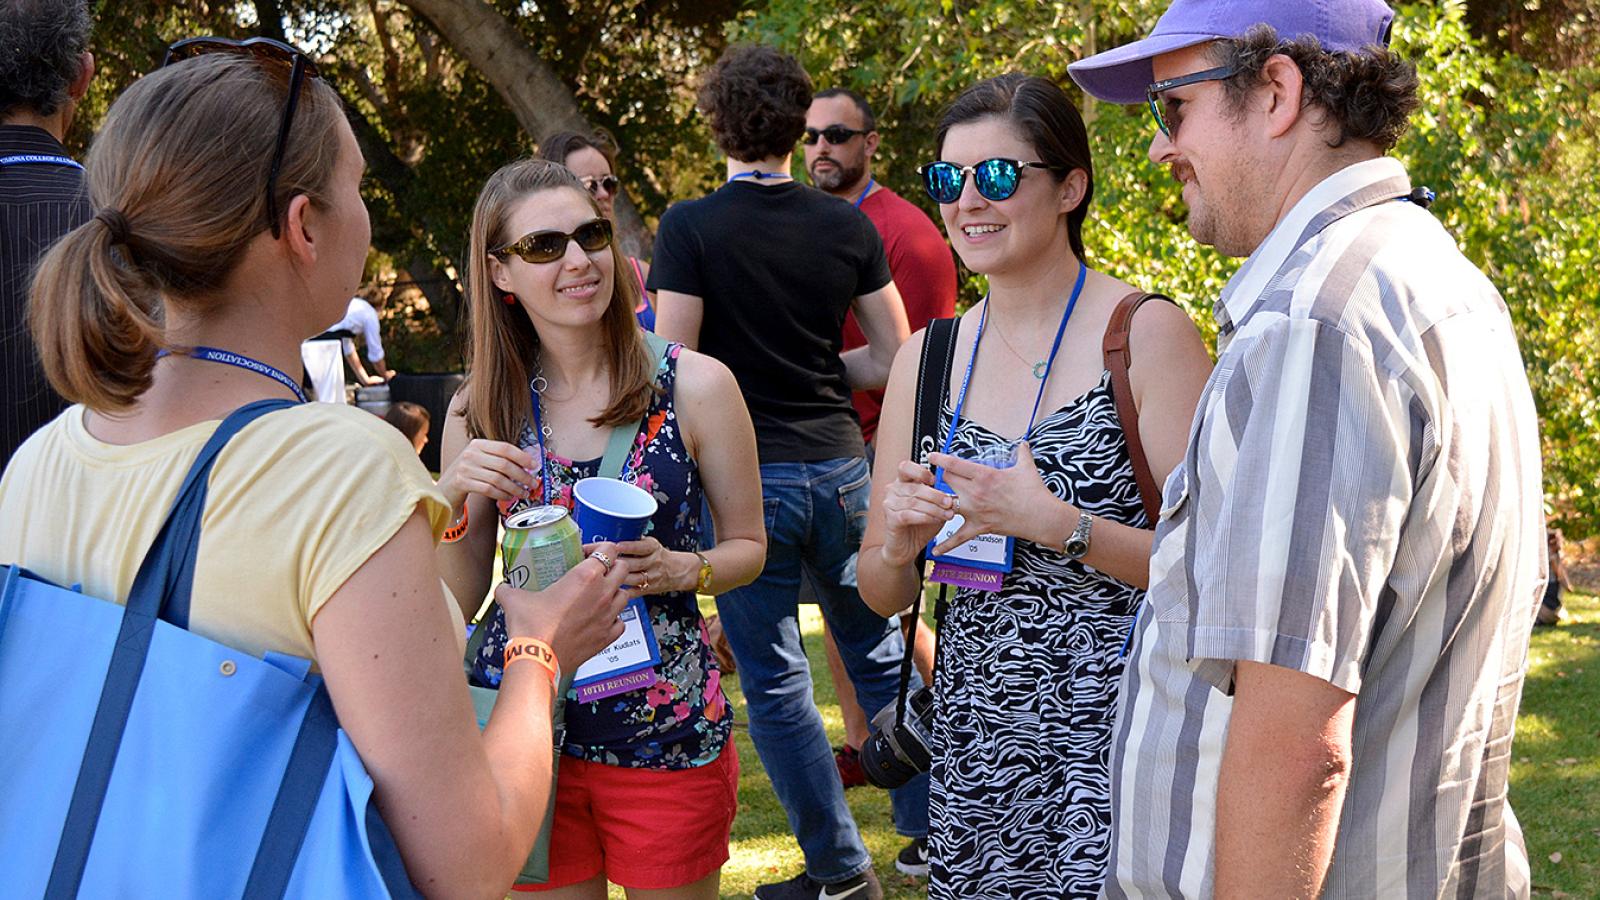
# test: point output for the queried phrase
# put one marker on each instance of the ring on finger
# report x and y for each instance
(956, 503)
(603, 559)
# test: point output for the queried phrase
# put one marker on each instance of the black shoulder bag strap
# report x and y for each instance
(933, 387)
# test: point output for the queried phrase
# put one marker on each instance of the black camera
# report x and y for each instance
(897, 749)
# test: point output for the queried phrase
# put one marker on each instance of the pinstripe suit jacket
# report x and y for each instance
(39, 202)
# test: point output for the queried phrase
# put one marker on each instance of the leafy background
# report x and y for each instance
(1508, 134)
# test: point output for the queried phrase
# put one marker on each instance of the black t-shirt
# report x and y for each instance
(777, 267)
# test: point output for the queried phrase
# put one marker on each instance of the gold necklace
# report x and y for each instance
(1038, 367)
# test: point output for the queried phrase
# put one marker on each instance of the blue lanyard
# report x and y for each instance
(966, 381)
(544, 457)
(757, 175)
(40, 159)
(240, 361)
(865, 191)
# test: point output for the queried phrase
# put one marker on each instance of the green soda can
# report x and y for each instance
(540, 545)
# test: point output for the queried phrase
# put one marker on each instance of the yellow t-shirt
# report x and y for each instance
(297, 501)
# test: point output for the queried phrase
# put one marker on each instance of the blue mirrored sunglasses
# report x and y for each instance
(995, 179)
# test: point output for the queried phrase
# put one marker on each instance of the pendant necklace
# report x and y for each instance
(1039, 367)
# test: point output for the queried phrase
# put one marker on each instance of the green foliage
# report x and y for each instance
(1507, 134)
(1503, 142)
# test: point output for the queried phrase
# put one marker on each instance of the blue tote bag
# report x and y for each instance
(138, 759)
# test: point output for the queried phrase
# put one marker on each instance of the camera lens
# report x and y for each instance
(882, 764)
(897, 751)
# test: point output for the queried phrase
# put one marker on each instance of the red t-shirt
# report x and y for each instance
(924, 270)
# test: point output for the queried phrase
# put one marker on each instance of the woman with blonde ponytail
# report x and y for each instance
(230, 227)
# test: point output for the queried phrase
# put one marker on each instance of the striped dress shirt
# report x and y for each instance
(1360, 500)
(39, 202)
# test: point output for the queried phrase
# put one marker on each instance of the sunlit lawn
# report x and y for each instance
(1555, 777)
(1555, 774)
(763, 848)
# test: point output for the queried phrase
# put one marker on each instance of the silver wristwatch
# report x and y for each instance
(1077, 543)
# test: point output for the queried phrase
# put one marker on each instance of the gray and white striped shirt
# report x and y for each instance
(1360, 500)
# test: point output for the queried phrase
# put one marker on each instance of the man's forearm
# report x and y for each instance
(1282, 783)
(864, 370)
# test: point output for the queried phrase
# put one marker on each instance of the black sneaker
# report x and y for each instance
(802, 887)
(913, 860)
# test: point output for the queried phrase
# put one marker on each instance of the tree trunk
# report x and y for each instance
(541, 102)
(444, 301)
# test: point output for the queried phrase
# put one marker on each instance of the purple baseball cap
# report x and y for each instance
(1121, 75)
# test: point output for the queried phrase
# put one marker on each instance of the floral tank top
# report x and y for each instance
(682, 720)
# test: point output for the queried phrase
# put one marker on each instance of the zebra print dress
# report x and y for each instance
(1020, 802)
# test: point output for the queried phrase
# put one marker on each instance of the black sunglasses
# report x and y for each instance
(551, 245)
(272, 52)
(996, 179)
(833, 134)
(1169, 120)
(608, 183)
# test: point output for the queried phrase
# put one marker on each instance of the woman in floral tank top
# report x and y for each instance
(646, 790)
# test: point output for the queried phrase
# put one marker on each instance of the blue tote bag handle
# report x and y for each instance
(161, 590)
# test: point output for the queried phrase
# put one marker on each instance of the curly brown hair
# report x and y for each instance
(1366, 95)
(755, 99)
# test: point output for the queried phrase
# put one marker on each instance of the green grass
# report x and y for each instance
(1555, 775)
(763, 848)
(1555, 772)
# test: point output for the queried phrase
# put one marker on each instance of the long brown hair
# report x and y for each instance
(178, 176)
(504, 347)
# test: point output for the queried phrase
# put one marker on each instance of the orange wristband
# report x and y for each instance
(457, 529)
(518, 649)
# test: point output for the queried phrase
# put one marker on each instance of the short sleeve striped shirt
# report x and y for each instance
(1360, 500)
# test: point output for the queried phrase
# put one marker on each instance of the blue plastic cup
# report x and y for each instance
(996, 456)
(610, 510)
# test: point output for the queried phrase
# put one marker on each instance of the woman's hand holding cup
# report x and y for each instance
(995, 495)
(653, 569)
(913, 512)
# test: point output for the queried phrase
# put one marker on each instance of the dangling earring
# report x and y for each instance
(510, 299)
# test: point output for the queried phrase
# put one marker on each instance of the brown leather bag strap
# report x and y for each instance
(1114, 348)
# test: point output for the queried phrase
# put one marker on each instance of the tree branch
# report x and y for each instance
(541, 102)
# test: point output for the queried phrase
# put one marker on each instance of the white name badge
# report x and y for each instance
(985, 551)
(625, 665)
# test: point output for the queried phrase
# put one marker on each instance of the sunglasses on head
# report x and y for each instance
(1168, 120)
(272, 53)
(833, 134)
(607, 183)
(551, 245)
(996, 179)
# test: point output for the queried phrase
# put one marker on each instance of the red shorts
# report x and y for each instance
(648, 829)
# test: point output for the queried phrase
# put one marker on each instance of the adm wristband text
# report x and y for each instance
(457, 529)
(518, 649)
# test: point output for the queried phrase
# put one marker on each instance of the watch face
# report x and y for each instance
(1076, 547)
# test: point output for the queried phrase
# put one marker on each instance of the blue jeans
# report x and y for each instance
(815, 515)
